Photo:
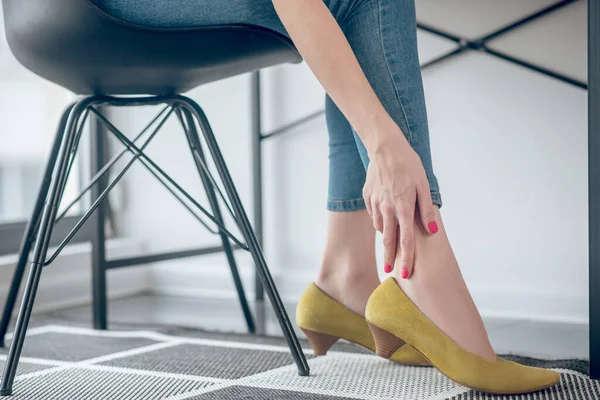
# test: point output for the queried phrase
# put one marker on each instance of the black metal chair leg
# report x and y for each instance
(252, 242)
(199, 159)
(44, 234)
(259, 290)
(99, 295)
(30, 230)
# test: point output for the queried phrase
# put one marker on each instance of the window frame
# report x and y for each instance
(11, 234)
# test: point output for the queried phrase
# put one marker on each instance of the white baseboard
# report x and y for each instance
(67, 281)
(529, 304)
(211, 279)
(201, 277)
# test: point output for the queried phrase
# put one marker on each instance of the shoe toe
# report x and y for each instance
(529, 379)
(546, 377)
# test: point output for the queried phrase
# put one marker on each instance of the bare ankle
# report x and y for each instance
(348, 273)
(351, 286)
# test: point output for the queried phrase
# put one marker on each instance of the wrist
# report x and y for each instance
(384, 135)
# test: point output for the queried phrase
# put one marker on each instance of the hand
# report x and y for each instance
(396, 182)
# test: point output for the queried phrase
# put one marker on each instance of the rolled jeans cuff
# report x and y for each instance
(359, 204)
(346, 205)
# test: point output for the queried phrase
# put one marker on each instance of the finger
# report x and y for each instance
(426, 209)
(367, 199)
(377, 217)
(390, 239)
(407, 242)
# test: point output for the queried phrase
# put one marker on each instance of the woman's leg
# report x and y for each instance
(439, 290)
(189, 13)
(382, 34)
(348, 271)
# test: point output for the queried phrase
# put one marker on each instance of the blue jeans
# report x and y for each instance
(382, 34)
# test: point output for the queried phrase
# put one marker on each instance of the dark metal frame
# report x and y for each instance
(481, 44)
(594, 182)
(64, 149)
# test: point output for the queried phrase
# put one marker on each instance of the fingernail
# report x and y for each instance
(404, 273)
(433, 228)
(387, 268)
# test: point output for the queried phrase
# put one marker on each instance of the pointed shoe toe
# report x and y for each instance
(395, 321)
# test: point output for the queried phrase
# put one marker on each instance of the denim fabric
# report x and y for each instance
(383, 35)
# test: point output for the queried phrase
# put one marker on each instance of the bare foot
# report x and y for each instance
(437, 287)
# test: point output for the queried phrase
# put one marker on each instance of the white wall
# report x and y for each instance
(68, 282)
(509, 148)
(26, 134)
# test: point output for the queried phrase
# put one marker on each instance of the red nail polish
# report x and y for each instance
(433, 228)
(404, 273)
(387, 268)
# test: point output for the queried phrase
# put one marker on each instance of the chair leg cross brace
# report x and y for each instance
(102, 196)
(139, 153)
(108, 165)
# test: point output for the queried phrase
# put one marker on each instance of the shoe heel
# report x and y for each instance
(386, 344)
(320, 342)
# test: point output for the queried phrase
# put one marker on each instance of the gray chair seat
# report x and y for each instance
(78, 46)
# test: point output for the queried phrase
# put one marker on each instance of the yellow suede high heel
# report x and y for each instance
(395, 320)
(325, 321)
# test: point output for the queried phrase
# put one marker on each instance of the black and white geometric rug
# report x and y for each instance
(64, 363)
